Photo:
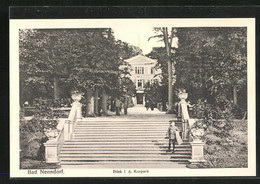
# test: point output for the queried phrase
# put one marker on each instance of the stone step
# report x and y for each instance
(154, 141)
(120, 142)
(121, 146)
(104, 137)
(125, 126)
(125, 132)
(124, 152)
(121, 159)
(123, 164)
(122, 127)
(150, 149)
(125, 122)
(124, 141)
(119, 131)
(71, 154)
(119, 156)
(115, 135)
(107, 139)
(86, 130)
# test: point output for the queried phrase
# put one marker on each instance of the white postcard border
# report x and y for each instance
(16, 24)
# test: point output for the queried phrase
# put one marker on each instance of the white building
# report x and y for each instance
(142, 71)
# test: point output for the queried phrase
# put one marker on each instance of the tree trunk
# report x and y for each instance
(235, 94)
(56, 87)
(90, 103)
(96, 101)
(168, 51)
(170, 94)
(125, 105)
(104, 102)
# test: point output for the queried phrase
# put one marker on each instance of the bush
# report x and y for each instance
(37, 164)
(225, 138)
(32, 138)
(32, 134)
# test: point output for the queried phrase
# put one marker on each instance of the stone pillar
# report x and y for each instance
(76, 106)
(51, 151)
(68, 130)
(197, 152)
(185, 129)
(79, 112)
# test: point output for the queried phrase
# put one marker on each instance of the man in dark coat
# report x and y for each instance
(171, 134)
(118, 106)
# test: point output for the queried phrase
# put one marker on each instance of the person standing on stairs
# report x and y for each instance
(171, 135)
(118, 106)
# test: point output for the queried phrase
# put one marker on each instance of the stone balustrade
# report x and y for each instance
(197, 144)
(66, 128)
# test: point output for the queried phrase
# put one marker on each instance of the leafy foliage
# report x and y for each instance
(77, 58)
(32, 131)
(167, 35)
(210, 61)
(153, 92)
(225, 138)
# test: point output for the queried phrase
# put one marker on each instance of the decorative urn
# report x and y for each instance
(183, 95)
(51, 133)
(76, 96)
(197, 134)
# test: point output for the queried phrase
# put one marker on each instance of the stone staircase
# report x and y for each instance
(122, 143)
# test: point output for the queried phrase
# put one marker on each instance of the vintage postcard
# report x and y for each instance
(132, 97)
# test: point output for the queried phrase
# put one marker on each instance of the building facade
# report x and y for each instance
(142, 71)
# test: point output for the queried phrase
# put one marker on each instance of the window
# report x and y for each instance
(154, 81)
(152, 70)
(139, 70)
(139, 83)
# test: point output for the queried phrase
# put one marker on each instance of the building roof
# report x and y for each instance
(139, 59)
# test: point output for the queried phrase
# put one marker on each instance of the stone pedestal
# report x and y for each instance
(79, 112)
(68, 130)
(51, 151)
(185, 130)
(197, 152)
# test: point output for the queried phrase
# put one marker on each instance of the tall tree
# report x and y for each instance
(43, 59)
(167, 37)
(82, 59)
(212, 62)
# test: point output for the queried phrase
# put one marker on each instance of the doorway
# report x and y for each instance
(139, 98)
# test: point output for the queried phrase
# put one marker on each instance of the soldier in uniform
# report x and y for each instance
(171, 134)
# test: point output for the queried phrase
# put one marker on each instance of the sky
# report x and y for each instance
(131, 34)
(138, 36)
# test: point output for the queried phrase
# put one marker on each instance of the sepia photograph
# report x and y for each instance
(132, 97)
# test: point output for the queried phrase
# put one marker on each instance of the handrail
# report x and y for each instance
(66, 127)
(60, 139)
